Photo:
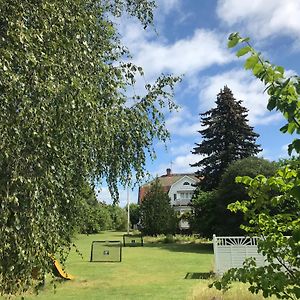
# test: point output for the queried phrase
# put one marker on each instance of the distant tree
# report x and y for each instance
(119, 217)
(293, 161)
(134, 214)
(89, 220)
(87, 193)
(157, 215)
(95, 218)
(226, 138)
(104, 217)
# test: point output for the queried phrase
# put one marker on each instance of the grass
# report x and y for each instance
(155, 271)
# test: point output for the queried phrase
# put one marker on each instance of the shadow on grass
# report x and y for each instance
(188, 248)
(205, 275)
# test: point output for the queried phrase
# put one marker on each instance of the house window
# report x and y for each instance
(175, 197)
(186, 183)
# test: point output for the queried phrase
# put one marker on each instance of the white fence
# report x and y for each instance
(231, 252)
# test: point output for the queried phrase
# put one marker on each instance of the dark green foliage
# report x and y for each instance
(86, 193)
(119, 217)
(95, 218)
(65, 117)
(211, 215)
(203, 218)
(226, 138)
(100, 217)
(134, 214)
(293, 161)
(157, 215)
(228, 223)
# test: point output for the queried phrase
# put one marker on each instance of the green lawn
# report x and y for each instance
(155, 271)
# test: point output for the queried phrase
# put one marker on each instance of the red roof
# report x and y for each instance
(166, 182)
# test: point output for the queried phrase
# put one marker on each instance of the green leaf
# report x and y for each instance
(218, 285)
(296, 290)
(294, 146)
(280, 69)
(295, 191)
(257, 69)
(243, 51)
(233, 39)
(291, 128)
(284, 128)
(251, 62)
(272, 103)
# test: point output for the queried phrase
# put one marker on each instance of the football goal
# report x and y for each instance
(132, 240)
(106, 251)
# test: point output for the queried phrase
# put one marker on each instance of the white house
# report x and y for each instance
(180, 188)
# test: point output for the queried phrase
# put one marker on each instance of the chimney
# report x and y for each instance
(168, 172)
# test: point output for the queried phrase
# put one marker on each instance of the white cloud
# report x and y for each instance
(265, 153)
(244, 87)
(183, 123)
(104, 195)
(180, 164)
(284, 148)
(190, 55)
(262, 18)
(181, 148)
(166, 6)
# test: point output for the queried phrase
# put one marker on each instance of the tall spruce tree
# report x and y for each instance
(226, 138)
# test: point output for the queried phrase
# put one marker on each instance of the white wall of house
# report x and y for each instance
(181, 193)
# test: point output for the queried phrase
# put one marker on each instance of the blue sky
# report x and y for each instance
(190, 38)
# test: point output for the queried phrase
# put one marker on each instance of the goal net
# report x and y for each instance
(106, 251)
(131, 240)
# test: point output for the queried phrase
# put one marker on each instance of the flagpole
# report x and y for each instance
(128, 212)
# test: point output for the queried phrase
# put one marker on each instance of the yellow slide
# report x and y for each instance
(59, 272)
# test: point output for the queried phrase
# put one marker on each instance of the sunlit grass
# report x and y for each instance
(156, 271)
(237, 292)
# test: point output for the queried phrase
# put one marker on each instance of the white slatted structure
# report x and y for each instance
(231, 252)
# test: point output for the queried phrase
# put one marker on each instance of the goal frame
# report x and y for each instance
(119, 259)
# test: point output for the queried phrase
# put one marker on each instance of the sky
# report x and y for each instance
(189, 38)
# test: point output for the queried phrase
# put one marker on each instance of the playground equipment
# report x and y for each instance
(133, 240)
(58, 270)
(106, 251)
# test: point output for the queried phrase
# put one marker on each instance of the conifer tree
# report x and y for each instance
(157, 214)
(226, 138)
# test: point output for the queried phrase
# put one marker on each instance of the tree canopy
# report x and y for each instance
(210, 213)
(65, 118)
(226, 138)
(229, 191)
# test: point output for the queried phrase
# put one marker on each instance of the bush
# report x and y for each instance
(169, 239)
